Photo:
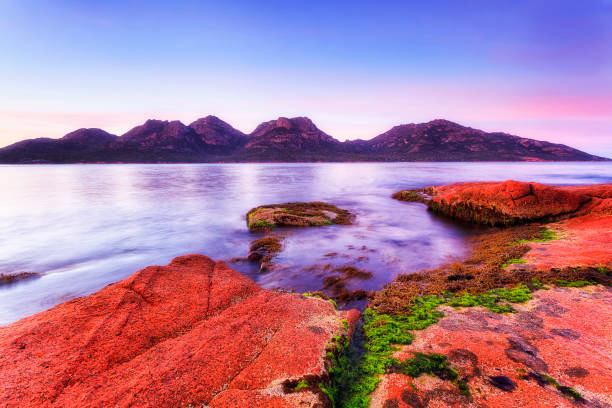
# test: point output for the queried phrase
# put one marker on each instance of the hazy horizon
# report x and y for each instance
(540, 70)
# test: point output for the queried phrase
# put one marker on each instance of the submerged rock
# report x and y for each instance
(263, 250)
(298, 214)
(6, 279)
(192, 333)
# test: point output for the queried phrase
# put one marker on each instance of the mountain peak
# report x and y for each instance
(289, 134)
(444, 122)
(154, 126)
(217, 132)
(89, 136)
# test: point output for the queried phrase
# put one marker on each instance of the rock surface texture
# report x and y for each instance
(508, 360)
(192, 333)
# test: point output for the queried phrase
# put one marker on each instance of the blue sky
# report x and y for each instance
(540, 69)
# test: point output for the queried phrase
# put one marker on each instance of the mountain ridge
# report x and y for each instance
(298, 139)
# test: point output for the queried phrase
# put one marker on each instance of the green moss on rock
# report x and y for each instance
(297, 214)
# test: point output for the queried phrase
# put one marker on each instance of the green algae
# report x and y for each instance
(433, 364)
(354, 381)
(545, 235)
(323, 296)
(564, 389)
(261, 224)
(513, 261)
(573, 284)
(301, 385)
(496, 300)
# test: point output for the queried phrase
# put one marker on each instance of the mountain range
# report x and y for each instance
(298, 139)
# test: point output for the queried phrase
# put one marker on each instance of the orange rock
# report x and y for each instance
(585, 213)
(581, 241)
(194, 332)
(508, 202)
(563, 333)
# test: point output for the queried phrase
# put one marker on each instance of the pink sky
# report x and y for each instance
(584, 122)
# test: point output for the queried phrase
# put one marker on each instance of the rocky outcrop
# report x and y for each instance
(579, 216)
(556, 351)
(580, 241)
(209, 139)
(511, 202)
(192, 333)
(298, 214)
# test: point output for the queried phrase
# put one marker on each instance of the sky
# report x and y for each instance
(538, 69)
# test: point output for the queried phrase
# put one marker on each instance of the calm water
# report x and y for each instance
(85, 226)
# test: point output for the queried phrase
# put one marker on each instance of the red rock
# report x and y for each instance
(506, 203)
(583, 214)
(581, 241)
(191, 333)
(563, 333)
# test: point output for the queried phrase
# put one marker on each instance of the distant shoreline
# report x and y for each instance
(604, 160)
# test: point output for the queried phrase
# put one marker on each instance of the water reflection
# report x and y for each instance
(85, 226)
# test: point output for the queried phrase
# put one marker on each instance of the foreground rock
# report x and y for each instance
(558, 342)
(192, 333)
